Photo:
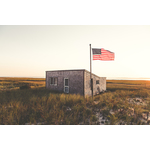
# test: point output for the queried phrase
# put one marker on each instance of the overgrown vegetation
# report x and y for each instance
(125, 102)
(39, 106)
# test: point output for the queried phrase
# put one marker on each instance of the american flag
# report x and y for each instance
(102, 54)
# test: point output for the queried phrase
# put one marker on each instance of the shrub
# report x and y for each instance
(93, 118)
(88, 112)
(113, 119)
(27, 86)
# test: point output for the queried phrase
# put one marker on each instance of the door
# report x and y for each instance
(66, 85)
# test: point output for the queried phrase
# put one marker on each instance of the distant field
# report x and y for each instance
(7, 83)
(15, 83)
(124, 102)
(127, 84)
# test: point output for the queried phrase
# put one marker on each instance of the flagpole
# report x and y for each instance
(91, 81)
(90, 62)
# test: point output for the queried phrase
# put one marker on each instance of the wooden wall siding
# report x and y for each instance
(103, 84)
(97, 88)
(79, 82)
(75, 81)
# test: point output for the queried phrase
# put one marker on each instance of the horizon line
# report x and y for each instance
(107, 78)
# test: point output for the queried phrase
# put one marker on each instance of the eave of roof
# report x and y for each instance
(73, 70)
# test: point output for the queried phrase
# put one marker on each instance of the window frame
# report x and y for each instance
(52, 81)
(66, 85)
(97, 81)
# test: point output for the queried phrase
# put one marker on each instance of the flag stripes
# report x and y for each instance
(105, 55)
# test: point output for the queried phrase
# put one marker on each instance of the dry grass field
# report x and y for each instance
(124, 102)
(7, 83)
(127, 84)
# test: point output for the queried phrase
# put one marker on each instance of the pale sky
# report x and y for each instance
(29, 51)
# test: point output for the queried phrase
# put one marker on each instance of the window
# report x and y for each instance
(66, 85)
(66, 82)
(97, 81)
(53, 81)
(66, 89)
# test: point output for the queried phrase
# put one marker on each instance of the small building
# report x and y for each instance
(74, 82)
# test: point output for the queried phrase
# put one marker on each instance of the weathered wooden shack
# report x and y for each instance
(74, 82)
